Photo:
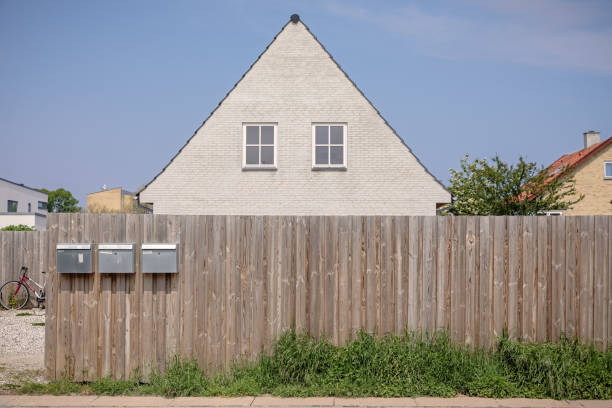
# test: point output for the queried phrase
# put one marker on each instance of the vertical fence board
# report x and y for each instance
(414, 243)
(600, 259)
(558, 276)
(485, 281)
(499, 277)
(543, 264)
(471, 280)
(585, 281)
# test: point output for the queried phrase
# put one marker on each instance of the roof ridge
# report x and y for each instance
(22, 185)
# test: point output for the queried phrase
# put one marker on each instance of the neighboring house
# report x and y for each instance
(295, 136)
(593, 175)
(22, 205)
(115, 200)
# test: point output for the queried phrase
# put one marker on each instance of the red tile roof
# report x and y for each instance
(577, 158)
(572, 160)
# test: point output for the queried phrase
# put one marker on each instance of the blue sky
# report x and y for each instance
(95, 93)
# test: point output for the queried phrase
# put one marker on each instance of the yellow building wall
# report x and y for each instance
(110, 201)
(590, 182)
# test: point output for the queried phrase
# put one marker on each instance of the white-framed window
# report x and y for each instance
(42, 205)
(608, 169)
(259, 146)
(329, 145)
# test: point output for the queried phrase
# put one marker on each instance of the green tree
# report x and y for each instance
(61, 201)
(497, 188)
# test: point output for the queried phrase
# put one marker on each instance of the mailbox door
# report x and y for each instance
(159, 261)
(115, 261)
(73, 261)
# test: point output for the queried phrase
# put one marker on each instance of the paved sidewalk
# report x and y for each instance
(142, 402)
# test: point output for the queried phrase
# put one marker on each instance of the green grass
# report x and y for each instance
(394, 366)
(24, 314)
(38, 324)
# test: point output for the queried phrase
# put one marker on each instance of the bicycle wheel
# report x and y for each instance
(11, 300)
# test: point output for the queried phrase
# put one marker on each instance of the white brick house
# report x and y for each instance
(295, 136)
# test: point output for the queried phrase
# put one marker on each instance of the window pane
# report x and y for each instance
(267, 135)
(12, 206)
(336, 134)
(321, 134)
(252, 136)
(321, 155)
(252, 155)
(267, 155)
(336, 156)
(608, 169)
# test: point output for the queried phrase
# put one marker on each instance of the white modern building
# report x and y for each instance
(22, 205)
(295, 136)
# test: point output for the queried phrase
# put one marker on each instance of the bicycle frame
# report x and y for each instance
(26, 281)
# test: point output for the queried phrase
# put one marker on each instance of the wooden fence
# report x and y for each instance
(243, 280)
(23, 248)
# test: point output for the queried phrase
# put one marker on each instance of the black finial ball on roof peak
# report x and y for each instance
(295, 18)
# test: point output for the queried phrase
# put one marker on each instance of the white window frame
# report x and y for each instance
(260, 166)
(606, 177)
(342, 166)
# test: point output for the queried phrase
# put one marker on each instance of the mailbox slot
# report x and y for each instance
(159, 258)
(73, 258)
(116, 258)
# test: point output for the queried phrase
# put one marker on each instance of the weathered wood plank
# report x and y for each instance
(52, 297)
(301, 323)
(344, 284)
(357, 273)
(444, 229)
(414, 243)
(529, 300)
(485, 281)
(429, 274)
(558, 277)
(542, 272)
(387, 309)
(600, 269)
(585, 281)
(499, 277)
(472, 318)
(147, 359)
(372, 283)
(571, 284)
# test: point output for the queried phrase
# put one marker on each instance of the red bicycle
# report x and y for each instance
(16, 294)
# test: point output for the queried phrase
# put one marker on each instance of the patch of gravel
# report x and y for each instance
(22, 346)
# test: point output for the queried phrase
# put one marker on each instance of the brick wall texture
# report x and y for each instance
(294, 84)
(590, 182)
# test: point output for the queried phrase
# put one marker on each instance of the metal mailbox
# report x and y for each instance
(73, 258)
(159, 258)
(116, 258)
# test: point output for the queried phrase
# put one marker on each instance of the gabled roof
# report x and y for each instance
(21, 185)
(294, 19)
(576, 159)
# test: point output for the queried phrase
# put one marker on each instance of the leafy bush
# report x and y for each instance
(20, 227)
(393, 366)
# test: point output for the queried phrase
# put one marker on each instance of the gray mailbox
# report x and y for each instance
(159, 258)
(73, 258)
(116, 258)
